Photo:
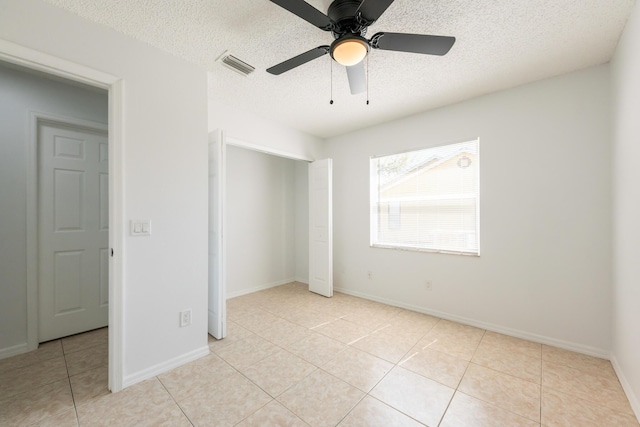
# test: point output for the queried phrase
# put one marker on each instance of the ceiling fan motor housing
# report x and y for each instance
(344, 14)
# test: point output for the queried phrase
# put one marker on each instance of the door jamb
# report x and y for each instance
(29, 58)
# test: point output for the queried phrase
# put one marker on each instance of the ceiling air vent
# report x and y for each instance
(236, 64)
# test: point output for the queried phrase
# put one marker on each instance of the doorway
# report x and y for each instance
(57, 69)
(258, 196)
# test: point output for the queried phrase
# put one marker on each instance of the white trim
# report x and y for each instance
(421, 249)
(32, 235)
(567, 345)
(14, 350)
(34, 120)
(261, 288)
(376, 190)
(217, 305)
(29, 58)
(117, 228)
(631, 396)
(20, 55)
(163, 367)
(439, 144)
(35, 116)
(430, 197)
(266, 149)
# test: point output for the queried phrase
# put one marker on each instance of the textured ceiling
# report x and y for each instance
(500, 44)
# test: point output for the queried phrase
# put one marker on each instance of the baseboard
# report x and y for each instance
(633, 399)
(567, 345)
(259, 288)
(13, 350)
(163, 367)
(304, 280)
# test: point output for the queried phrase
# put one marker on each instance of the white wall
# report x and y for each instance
(626, 210)
(258, 131)
(545, 267)
(261, 221)
(165, 177)
(23, 93)
(253, 129)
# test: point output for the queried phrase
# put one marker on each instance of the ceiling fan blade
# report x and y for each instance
(357, 78)
(307, 12)
(296, 61)
(372, 9)
(416, 43)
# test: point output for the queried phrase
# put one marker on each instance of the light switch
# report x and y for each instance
(140, 227)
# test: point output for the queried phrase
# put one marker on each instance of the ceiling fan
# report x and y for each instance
(348, 21)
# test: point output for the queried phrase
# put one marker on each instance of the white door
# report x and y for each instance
(217, 291)
(73, 253)
(320, 228)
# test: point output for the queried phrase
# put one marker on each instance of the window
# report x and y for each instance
(427, 199)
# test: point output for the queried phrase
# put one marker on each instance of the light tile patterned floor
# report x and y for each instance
(293, 358)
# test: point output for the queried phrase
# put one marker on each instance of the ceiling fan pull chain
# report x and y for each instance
(367, 77)
(331, 80)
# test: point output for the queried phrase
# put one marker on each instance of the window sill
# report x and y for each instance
(414, 249)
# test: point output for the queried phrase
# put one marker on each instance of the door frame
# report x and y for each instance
(228, 140)
(218, 293)
(29, 58)
(33, 230)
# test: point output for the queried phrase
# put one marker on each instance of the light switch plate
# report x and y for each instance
(140, 227)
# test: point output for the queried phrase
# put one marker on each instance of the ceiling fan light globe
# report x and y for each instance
(350, 51)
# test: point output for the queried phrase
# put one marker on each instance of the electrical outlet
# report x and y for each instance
(185, 318)
(428, 285)
(369, 275)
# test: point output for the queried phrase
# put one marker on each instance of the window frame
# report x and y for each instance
(374, 200)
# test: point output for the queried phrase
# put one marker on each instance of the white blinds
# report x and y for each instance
(427, 199)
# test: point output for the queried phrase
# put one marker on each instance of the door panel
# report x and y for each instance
(67, 281)
(320, 228)
(68, 186)
(217, 314)
(68, 148)
(72, 230)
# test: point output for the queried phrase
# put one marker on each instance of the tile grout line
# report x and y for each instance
(352, 408)
(455, 390)
(503, 373)
(317, 368)
(73, 397)
(263, 390)
(541, 383)
(174, 401)
(395, 365)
